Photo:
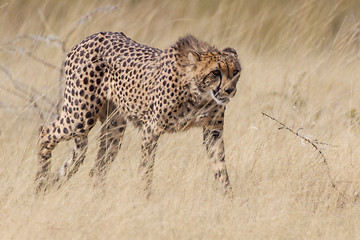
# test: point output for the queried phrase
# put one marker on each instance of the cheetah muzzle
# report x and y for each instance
(115, 80)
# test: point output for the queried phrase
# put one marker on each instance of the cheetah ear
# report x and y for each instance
(231, 51)
(193, 58)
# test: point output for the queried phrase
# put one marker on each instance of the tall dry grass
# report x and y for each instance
(301, 66)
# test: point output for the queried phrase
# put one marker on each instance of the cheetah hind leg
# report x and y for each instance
(71, 166)
(111, 136)
(49, 137)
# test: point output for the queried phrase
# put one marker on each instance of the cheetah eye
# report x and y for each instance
(235, 72)
(216, 73)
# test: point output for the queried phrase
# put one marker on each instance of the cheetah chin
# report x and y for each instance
(217, 100)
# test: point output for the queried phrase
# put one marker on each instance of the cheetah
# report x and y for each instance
(112, 78)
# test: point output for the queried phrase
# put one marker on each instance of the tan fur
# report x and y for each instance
(111, 78)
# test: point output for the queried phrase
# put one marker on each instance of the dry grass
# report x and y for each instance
(301, 65)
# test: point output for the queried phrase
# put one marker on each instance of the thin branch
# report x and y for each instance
(49, 39)
(32, 56)
(22, 90)
(89, 16)
(311, 142)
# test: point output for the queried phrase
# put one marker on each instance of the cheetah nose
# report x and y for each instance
(229, 90)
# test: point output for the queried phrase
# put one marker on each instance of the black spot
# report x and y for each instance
(88, 115)
(92, 73)
(79, 126)
(86, 80)
(66, 131)
(90, 121)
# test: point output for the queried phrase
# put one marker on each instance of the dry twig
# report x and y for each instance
(23, 91)
(56, 41)
(89, 16)
(343, 197)
(32, 56)
(313, 143)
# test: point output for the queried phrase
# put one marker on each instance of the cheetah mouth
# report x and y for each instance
(218, 100)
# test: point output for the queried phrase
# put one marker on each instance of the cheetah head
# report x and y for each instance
(216, 74)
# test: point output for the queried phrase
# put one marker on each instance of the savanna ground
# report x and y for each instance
(300, 65)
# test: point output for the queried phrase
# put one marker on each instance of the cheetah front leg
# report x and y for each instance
(148, 148)
(213, 140)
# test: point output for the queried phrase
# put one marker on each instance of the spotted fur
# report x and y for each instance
(111, 78)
